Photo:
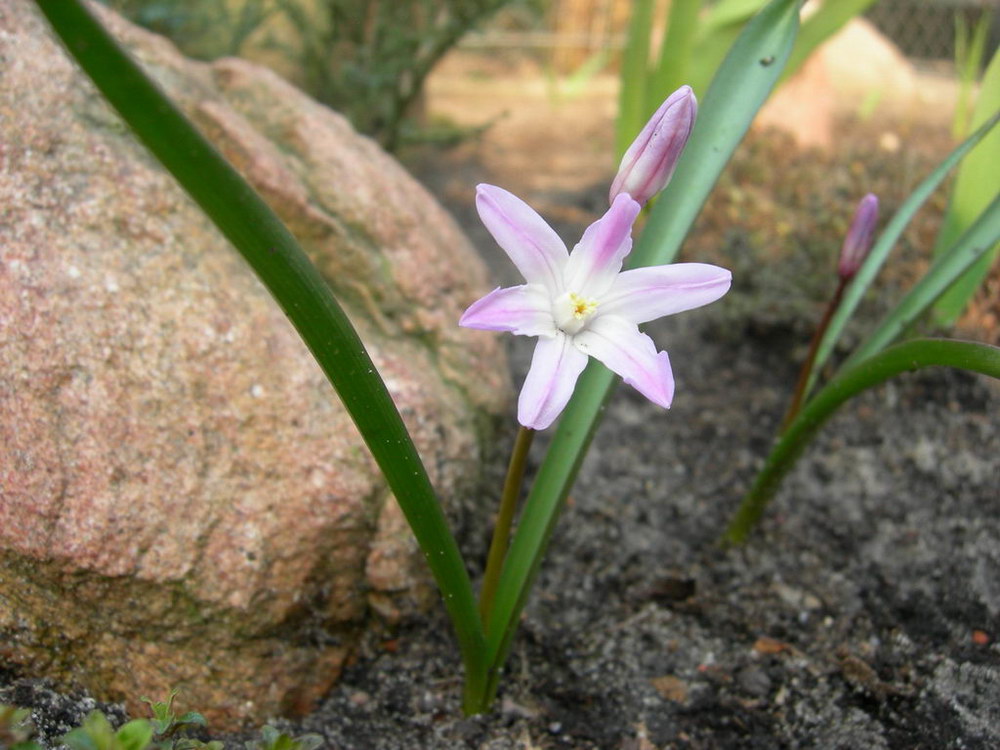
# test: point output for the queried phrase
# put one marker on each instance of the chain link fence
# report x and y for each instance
(925, 29)
(574, 30)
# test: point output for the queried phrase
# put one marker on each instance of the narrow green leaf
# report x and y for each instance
(740, 87)
(975, 186)
(635, 66)
(675, 53)
(971, 246)
(709, 51)
(905, 357)
(970, 49)
(828, 19)
(732, 13)
(296, 285)
(886, 241)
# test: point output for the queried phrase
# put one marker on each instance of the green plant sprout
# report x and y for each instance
(96, 733)
(158, 733)
(166, 725)
(975, 186)
(970, 52)
(584, 311)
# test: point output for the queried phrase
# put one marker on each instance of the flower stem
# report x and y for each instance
(807, 367)
(505, 517)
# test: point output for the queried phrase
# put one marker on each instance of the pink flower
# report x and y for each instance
(650, 161)
(860, 236)
(581, 304)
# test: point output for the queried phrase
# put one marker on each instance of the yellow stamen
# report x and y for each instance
(582, 308)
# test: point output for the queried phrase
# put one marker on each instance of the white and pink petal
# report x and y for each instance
(628, 352)
(555, 367)
(523, 310)
(532, 245)
(644, 294)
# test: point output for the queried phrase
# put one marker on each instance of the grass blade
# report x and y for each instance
(828, 19)
(741, 86)
(886, 241)
(905, 357)
(294, 282)
(972, 246)
(635, 68)
(675, 52)
(975, 185)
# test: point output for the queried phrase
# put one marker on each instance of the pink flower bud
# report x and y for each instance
(859, 237)
(649, 162)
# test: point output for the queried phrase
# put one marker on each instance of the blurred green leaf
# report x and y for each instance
(826, 21)
(975, 186)
(635, 71)
(135, 735)
(676, 50)
(732, 12)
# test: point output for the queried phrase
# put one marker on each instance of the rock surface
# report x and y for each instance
(183, 500)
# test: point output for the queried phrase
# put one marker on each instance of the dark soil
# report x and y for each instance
(864, 613)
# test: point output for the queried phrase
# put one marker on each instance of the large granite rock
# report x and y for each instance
(183, 500)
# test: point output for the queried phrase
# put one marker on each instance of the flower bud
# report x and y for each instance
(859, 237)
(649, 162)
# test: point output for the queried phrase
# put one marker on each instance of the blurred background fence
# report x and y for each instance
(369, 59)
(573, 31)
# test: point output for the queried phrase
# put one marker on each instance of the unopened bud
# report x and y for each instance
(859, 237)
(649, 162)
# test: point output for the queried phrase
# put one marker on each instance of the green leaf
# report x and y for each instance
(732, 12)
(296, 285)
(886, 241)
(193, 717)
(970, 50)
(975, 186)
(739, 89)
(972, 245)
(163, 717)
(136, 735)
(828, 19)
(96, 733)
(675, 53)
(635, 66)
(905, 357)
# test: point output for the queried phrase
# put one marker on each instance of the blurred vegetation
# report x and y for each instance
(368, 59)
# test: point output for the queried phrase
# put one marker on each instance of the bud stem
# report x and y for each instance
(807, 367)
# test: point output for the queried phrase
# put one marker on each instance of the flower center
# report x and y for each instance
(571, 312)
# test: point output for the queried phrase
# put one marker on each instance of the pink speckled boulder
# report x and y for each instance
(183, 500)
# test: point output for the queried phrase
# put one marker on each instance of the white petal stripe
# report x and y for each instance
(532, 245)
(628, 352)
(555, 367)
(524, 310)
(644, 294)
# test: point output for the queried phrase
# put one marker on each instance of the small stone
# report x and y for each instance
(359, 698)
(671, 688)
(754, 681)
